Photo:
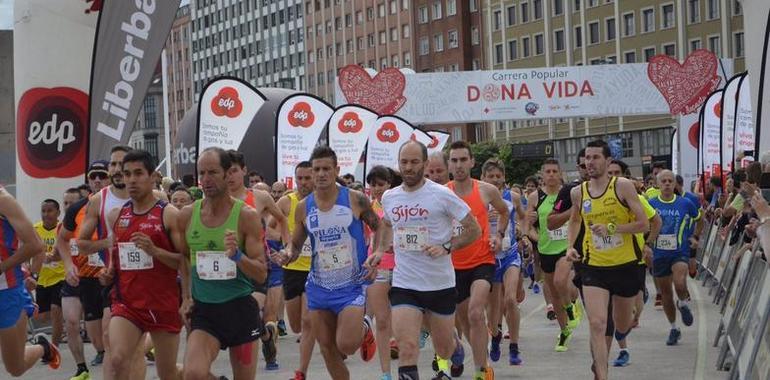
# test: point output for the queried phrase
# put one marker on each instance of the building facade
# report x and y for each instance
(148, 129)
(179, 84)
(544, 33)
(7, 111)
(374, 34)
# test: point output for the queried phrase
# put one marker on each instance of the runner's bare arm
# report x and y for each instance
(31, 245)
(63, 247)
(270, 207)
(627, 192)
(470, 232)
(530, 231)
(496, 200)
(300, 234)
(363, 208)
(655, 224)
(160, 195)
(252, 261)
(182, 222)
(573, 226)
(384, 237)
(86, 246)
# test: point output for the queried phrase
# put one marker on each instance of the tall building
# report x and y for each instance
(448, 38)
(7, 111)
(369, 33)
(148, 130)
(259, 41)
(179, 84)
(544, 33)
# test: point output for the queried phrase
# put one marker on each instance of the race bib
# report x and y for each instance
(608, 242)
(335, 257)
(667, 242)
(413, 238)
(214, 265)
(74, 247)
(95, 261)
(307, 249)
(558, 234)
(3, 279)
(133, 258)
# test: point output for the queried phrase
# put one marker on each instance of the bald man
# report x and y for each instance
(437, 168)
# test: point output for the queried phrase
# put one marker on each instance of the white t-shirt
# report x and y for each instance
(422, 217)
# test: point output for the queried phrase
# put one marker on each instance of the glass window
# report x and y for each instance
(424, 46)
(422, 15)
(539, 44)
(669, 50)
(693, 11)
(525, 47)
(513, 50)
(496, 20)
(537, 6)
(610, 26)
(524, 12)
(695, 45)
(498, 54)
(407, 59)
(436, 10)
(630, 57)
(627, 142)
(452, 38)
(438, 42)
(668, 16)
(649, 53)
(629, 24)
(558, 40)
(593, 33)
(737, 7)
(558, 7)
(394, 34)
(451, 7)
(712, 9)
(714, 45)
(511, 15)
(475, 35)
(405, 32)
(648, 19)
(738, 45)
(578, 36)
(381, 10)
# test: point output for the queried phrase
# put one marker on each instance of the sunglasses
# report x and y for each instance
(99, 175)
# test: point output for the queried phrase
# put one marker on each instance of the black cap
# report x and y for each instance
(98, 166)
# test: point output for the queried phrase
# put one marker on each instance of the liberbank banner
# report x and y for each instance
(556, 92)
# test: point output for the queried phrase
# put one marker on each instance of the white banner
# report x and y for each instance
(385, 140)
(438, 141)
(756, 21)
(729, 103)
(225, 110)
(709, 138)
(301, 119)
(744, 123)
(349, 128)
(675, 155)
(689, 140)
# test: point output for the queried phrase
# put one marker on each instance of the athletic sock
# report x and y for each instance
(408, 373)
(681, 303)
(569, 311)
(443, 364)
(46, 351)
(513, 347)
(673, 325)
(81, 368)
(620, 336)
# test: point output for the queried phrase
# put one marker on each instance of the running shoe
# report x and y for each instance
(577, 308)
(486, 373)
(576, 318)
(536, 288)
(514, 358)
(150, 355)
(440, 375)
(658, 300)
(562, 341)
(81, 376)
(673, 337)
(51, 355)
(458, 358)
(368, 345)
(687, 317)
(645, 295)
(550, 313)
(393, 349)
(298, 376)
(282, 328)
(622, 359)
(434, 363)
(269, 348)
(272, 366)
(424, 334)
(494, 346)
(98, 359)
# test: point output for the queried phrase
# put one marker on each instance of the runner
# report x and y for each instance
(81, 292)
(255, 178)
(671, 252)
(50, 275)
(437, 168)
(507, 283)
(333, 218)
(552, 247)
(225, 250)
(295, 273)
(277, 190)
(531, 185)
(604, 206)
(145, 297)
(693, 229)
(416, 217)
(181, 197)
(19, 243)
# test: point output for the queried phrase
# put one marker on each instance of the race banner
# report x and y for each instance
(438, 141)
(675, 154)
(225, 110)
(349, 128)
(689, 141)
(710, 141)
(130, 36)
(51, 98)
(301, 119)
(744, 123)
(385, 140)
(727, 119)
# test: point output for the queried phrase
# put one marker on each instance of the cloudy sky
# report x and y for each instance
(6, 14)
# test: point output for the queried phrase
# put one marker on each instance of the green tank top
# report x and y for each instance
(550, 242)
(207, 240)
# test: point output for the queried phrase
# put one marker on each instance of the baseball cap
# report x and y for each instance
(98, 166)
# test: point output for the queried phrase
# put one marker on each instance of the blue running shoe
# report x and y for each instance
(673, 337)
(272, 366)
(494, 347)
(687, 317)
(622, 359)
(513, 358)
(282, 328)
(457, 359)
(536, 288)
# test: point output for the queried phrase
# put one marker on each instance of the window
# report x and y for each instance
(407, 59)
(715, 46)
(424, 46)
(578, 36)
(648, 20)
(669, 50)
(337, 24)
(737, 7)
(475, 64)
(496, 20)
(537, 6)
(539, 44)
(381, 10)
(422, 15)
(593, 3)
(593, 33)
(524, 12)
(473, 5)
(513, 50)
(405, 4)
(370, 39)
(577, 5)
(667, 20)
(525, 47)
(436, 10)
(630, 56)
(511, 13)
(393, 7)
(498, 54)
(360, 43)
(359, 17)
(738, 46)
(629, 24)
(438, 42)
(457, 134)
(383, 37)
(610, 28)
(438, 69)
(394, 60)
(695, 45)
(558, 40)
(693, 11)
(649, 53)
(394, 34)
(712, 9)
(451, 7)
(405, 32)
(383, 62)
(370, 13)
(558, 7)
(627, 143)
(474, 35)
(452, 38)
(611, 60)
(348, 20)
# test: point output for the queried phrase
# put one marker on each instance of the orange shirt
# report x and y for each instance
(478, 252)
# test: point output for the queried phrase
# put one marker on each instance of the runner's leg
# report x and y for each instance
(17, 357)
(478, 334)
(325, 328)
(406, 328)
(596, 300)
(511, 305)
(166, 349)
(201, 351)
(379, 304)
(244, 359)
(72, 310)
(667, 295)
(124, 337)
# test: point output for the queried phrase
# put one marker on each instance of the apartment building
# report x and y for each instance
(179, 84)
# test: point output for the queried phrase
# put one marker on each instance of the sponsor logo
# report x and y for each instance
(433, 142)
(350, 123)
(52, 126)
(301, 115)
(405, 212)
(531, 108)
(226, 103)
(388, 133)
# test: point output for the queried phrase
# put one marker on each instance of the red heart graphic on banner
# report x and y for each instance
(388, 133)
(383, 94)
(685, 86)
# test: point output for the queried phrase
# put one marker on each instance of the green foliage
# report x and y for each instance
(516, 170)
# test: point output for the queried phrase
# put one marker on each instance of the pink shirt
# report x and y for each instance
(388, 260)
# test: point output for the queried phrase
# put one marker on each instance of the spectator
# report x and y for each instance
(255, 178)
(277, 190)
(348, 179)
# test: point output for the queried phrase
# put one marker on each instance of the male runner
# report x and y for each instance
(277, 190)
(437, 168)
(671, 254)
(693, 229)
(225, 249)
(475, 264)
(604, 206)
(508, 267)
(18, 244)
(255, 178)
(417, 214)
(50, 275)
(295, 273)
(145, 297)
(333, 218)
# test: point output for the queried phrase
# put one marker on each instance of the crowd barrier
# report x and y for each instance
(737, 277)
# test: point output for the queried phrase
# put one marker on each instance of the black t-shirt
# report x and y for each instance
(69, 217)
(564, 199)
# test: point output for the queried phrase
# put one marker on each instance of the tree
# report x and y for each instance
(516, 170)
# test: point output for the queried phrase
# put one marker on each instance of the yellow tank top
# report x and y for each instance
(303, 261)
(610, 251)
(53, 272)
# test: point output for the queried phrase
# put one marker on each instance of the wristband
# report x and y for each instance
(611, 228)
(237, 256)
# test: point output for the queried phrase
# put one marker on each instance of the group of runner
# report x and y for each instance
(419, 257)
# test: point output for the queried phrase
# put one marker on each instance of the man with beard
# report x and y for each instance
(437, 168)
(277, 190)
